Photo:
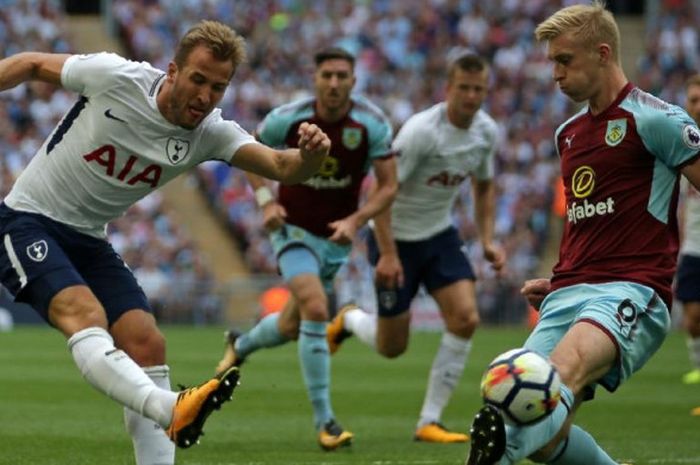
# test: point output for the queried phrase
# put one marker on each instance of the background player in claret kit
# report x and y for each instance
(312, 225)
(416, 242)
(605, 311)
(133, 129)
(688, 273)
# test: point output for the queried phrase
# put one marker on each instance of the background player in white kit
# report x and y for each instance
(133, 129)
(688, 274)
(416, 242)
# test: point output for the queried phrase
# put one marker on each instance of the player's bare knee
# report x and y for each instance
(146, 348)
(289, 328)
(463, 323)
(313, 307)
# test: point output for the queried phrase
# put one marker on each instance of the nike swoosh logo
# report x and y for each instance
(108, 114)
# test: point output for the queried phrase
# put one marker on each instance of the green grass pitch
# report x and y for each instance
(50, 416)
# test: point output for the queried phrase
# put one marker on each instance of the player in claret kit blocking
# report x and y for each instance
(133, 128)
(605, 310)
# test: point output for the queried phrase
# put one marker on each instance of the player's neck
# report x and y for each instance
(457, 120)
(332, 115)
(612, 85)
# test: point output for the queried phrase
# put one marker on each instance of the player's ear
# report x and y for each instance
(172, 69)
(604, 53)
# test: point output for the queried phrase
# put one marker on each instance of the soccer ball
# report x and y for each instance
(523, 385)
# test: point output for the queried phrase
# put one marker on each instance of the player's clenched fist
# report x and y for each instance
(313, 142)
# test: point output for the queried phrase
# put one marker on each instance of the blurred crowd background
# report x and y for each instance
(402, 48)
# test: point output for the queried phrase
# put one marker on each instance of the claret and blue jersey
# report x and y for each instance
(359, 138)
(620, 170)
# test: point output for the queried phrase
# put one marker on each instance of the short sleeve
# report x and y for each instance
(92, 73)
(671, 135)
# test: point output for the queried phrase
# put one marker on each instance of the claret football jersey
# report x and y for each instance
(621, 170)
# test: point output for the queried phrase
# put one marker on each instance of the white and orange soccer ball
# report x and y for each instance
(523, 385)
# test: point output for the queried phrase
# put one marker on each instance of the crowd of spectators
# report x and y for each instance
(156, 246)
(402, 49)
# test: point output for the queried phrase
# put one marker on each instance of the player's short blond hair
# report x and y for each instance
(223, 41)
(591, 24)
(693, 80)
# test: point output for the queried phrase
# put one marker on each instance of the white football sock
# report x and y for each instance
(151, 445)
(361, 324)
(445, 373)
(113, 372)
(694, 351)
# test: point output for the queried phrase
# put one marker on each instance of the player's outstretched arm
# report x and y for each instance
(290, 166)
(29, 66)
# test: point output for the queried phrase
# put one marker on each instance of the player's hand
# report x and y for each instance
(389, 273)
(495, 255)
(314, 144)
(274, 215)
(344, 230)
(535, 290)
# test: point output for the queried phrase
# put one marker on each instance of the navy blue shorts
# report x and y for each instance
(434, 262)
(40, 257)
(688, 279)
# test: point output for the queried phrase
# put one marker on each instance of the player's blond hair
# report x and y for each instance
(591, 24)
(224, 43)
(693, 80)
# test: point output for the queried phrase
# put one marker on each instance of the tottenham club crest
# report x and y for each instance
(352, 138)
(38, 250)
(691, 136)
(617, 129)
(177, 150)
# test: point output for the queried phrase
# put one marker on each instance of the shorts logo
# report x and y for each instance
(617, 129)
(691, 136)
(387, 299)
(627, 317)
(38, 251)
(352, 138)
(583, 181)
(177, 150)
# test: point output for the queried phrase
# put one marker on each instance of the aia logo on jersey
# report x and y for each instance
(177, 150)
(128, 172)
(446, 179)
(582, 185)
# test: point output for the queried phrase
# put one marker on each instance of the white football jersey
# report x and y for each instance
(434, 158)
(691, 222)
(114, 146)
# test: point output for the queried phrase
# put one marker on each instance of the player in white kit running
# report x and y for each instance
(416, 242)
(133, 129)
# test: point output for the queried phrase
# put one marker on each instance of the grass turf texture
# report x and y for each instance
(50, 416)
